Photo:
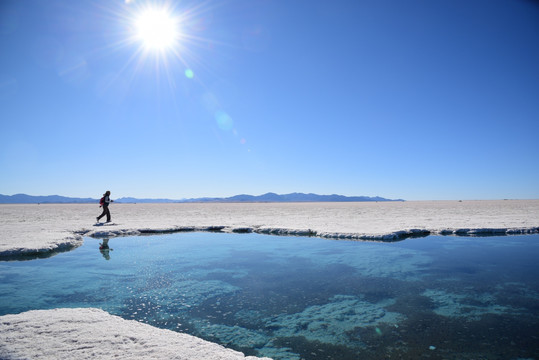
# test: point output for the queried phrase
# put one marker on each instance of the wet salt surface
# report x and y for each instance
(303, 298)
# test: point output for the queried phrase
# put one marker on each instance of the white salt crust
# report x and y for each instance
(95, 334)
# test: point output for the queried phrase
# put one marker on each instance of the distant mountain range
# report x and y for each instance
(293, 197)
(269, 197)
(52, 199)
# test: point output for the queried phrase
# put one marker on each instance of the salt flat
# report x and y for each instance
(44, 228)
(91, 333)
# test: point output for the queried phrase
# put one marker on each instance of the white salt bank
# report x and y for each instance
(93, 333)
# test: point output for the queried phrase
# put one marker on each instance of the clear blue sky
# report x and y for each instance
(434, 99)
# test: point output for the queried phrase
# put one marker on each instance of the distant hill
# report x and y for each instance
(49, 199)
(243, 198)
(132, 200)
(293, 197)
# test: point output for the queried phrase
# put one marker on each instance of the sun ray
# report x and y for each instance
(165, 39)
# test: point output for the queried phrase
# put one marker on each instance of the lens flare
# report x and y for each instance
(224, 121)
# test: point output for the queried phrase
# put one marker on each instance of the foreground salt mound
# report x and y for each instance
(93, 333)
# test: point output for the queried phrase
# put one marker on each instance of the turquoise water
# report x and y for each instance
(304, 298)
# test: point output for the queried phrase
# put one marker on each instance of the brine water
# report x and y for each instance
(304, 298)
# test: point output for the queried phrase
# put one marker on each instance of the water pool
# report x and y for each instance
(304, 298)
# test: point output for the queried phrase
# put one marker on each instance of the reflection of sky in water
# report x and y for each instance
(294, 297)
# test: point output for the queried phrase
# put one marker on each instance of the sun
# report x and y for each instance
(157, 29)
(161, 36)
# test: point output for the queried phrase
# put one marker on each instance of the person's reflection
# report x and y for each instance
(104, 249)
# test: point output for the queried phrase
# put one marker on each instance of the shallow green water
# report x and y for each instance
(304, 298)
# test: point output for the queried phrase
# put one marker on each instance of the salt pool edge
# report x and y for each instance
(45, 228)
(76, 239)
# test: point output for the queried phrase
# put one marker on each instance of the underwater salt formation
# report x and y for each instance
(374, 261)
(469, 306)
(330, 323)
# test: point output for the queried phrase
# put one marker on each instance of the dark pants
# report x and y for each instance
(105, 212)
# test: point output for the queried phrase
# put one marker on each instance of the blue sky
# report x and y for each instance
(402, 99)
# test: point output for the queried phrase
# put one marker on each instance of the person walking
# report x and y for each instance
(104, 202)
